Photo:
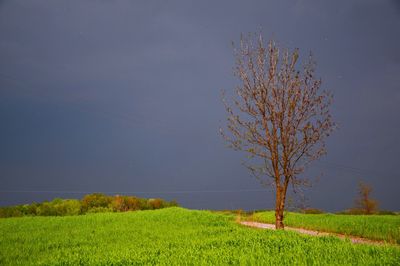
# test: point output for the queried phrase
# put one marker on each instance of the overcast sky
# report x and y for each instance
(124, 97)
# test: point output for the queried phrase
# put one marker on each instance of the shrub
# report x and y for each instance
(10, 212)
(95, 200)
(353, 211)
(57, 207)
(125, 203)
(46, 209)
(92, 203)
(144, 204)
(30, 209)
(156, 203)
(312, 211)
(69, 207)
(173, 203)
(386, 212)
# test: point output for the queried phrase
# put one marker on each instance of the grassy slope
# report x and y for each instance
(378, 227)
(170, 236)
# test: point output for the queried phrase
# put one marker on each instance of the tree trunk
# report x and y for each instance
(279, 208)
(279, 219)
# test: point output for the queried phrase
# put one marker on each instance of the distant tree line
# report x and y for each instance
(91, 203)
(364, 204)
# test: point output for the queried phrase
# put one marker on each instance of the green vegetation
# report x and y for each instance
(378, 227)
(91, 203)
(355, 211)
(171, 236)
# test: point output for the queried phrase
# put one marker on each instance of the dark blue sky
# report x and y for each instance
(124, 96)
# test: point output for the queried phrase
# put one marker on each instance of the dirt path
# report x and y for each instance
(354, 239)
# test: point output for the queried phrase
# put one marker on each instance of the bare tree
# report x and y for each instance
(278, 115)
(364, 202)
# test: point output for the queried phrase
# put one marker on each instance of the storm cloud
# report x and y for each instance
(124, 97)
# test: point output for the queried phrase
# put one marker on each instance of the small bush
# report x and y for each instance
(125, 203)
(156, 203)
(386, 212)
(312, 211)
(95, 200)
(6, 212)
(353, 211)
(30, 209)
(46, 209)
(172, 203)
(69, 207)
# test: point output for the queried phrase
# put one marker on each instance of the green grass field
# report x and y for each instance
(377, 227)
(171, 236)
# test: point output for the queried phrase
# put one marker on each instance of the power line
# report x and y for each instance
(132, 122)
